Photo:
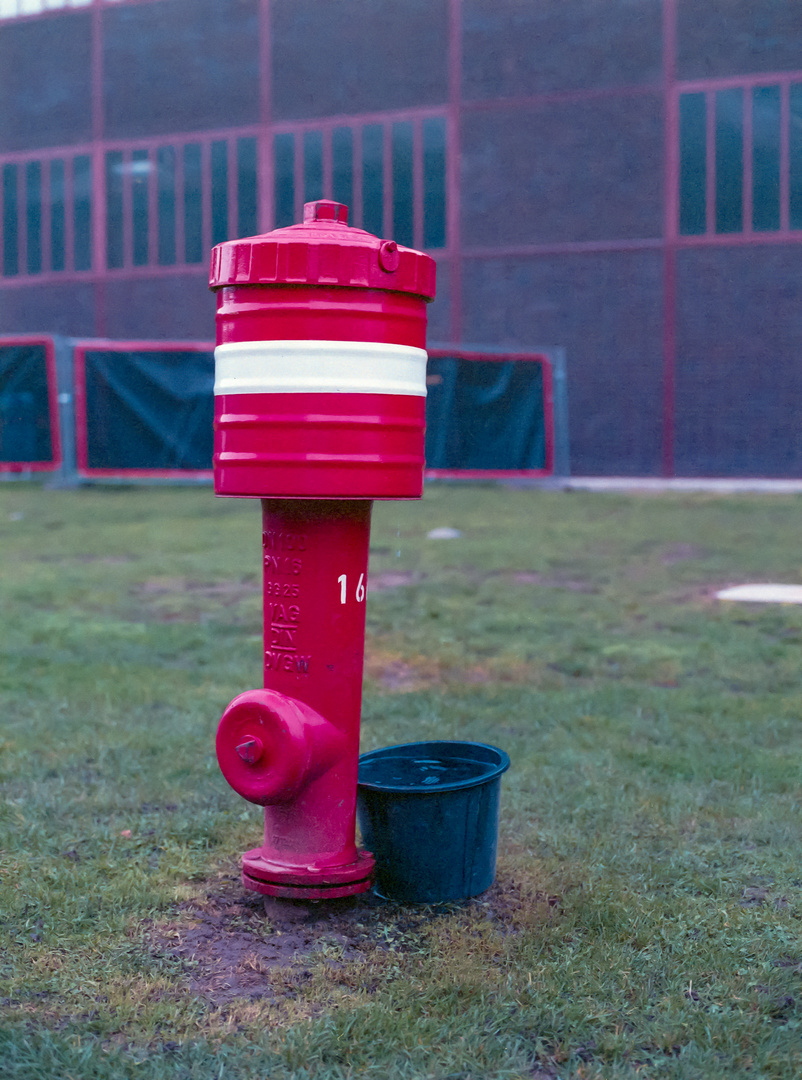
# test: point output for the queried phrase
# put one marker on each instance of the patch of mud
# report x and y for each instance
(227, 592)
(392, 579)
(702, 594)
(525, 577)
(677, 553)
(391, 671)
(238, 944)
(511, 906)
(178, 599)
(233, 941)
(403, 675)
(529, 577)
(105, 560)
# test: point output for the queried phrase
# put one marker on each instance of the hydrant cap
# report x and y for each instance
(323, 250)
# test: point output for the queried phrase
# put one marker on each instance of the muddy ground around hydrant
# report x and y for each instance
(234, 944)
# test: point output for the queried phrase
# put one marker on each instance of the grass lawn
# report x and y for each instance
(646, 917)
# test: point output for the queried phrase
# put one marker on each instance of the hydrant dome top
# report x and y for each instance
(323, 250)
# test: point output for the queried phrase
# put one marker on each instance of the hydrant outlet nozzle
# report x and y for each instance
(294, 747)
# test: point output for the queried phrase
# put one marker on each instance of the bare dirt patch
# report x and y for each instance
(401, 674)
(680, 552)
(106, 560)
(530, 577)
(226, 592)
(232, 941)
(553, 580)
(704, 595)
(177, 599)
(382, 580)
(404, 674)
(235, 944)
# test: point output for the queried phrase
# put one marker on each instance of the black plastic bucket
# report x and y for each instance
(429, 812)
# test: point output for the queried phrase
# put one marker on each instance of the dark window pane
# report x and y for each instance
(24, 412)
(193, 204)
(247, 187)
(140, 178)
(373, 178)
(766, 157)
(313, 166)
(342, 152)
(219, 192)
(729, 160)
(434, 183)
(693, 156)
(402, 184)
(485, 414)
(284, 168)
(33, 198)
(149, 409)
(82, 211)
(165, 176)
(57, 215)
(114, 209)
(795, 163)
(10, 241)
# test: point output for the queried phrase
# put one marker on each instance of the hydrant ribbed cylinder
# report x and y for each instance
(319, 408)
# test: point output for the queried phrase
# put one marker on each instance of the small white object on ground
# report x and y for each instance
(444, 533)
(763, 594)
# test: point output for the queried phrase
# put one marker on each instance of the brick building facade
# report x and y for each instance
(619, 177)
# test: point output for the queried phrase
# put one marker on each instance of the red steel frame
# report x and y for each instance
(548, 417)
(82, 419)
(52, 405)
(455, 253)
(671, 166)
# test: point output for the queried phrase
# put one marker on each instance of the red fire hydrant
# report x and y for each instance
(320, 385)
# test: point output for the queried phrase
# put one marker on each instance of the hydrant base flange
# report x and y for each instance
(308, 883)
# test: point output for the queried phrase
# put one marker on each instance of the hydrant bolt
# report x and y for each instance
(250, 749)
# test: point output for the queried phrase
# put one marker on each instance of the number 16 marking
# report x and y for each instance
(342, 581)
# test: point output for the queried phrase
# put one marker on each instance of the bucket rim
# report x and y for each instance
(496, 771)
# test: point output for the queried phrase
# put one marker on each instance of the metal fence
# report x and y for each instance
(143, 411)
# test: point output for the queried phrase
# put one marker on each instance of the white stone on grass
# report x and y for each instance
(763, 594)
(444, 533)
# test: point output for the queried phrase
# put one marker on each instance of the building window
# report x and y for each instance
(166, 204)
(390, 173)
(170, 204)
(46, 216)
(741, 159)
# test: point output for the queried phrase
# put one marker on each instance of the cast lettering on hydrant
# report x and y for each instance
(320, 386)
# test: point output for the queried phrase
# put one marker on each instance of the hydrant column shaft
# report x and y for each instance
(315, 556)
